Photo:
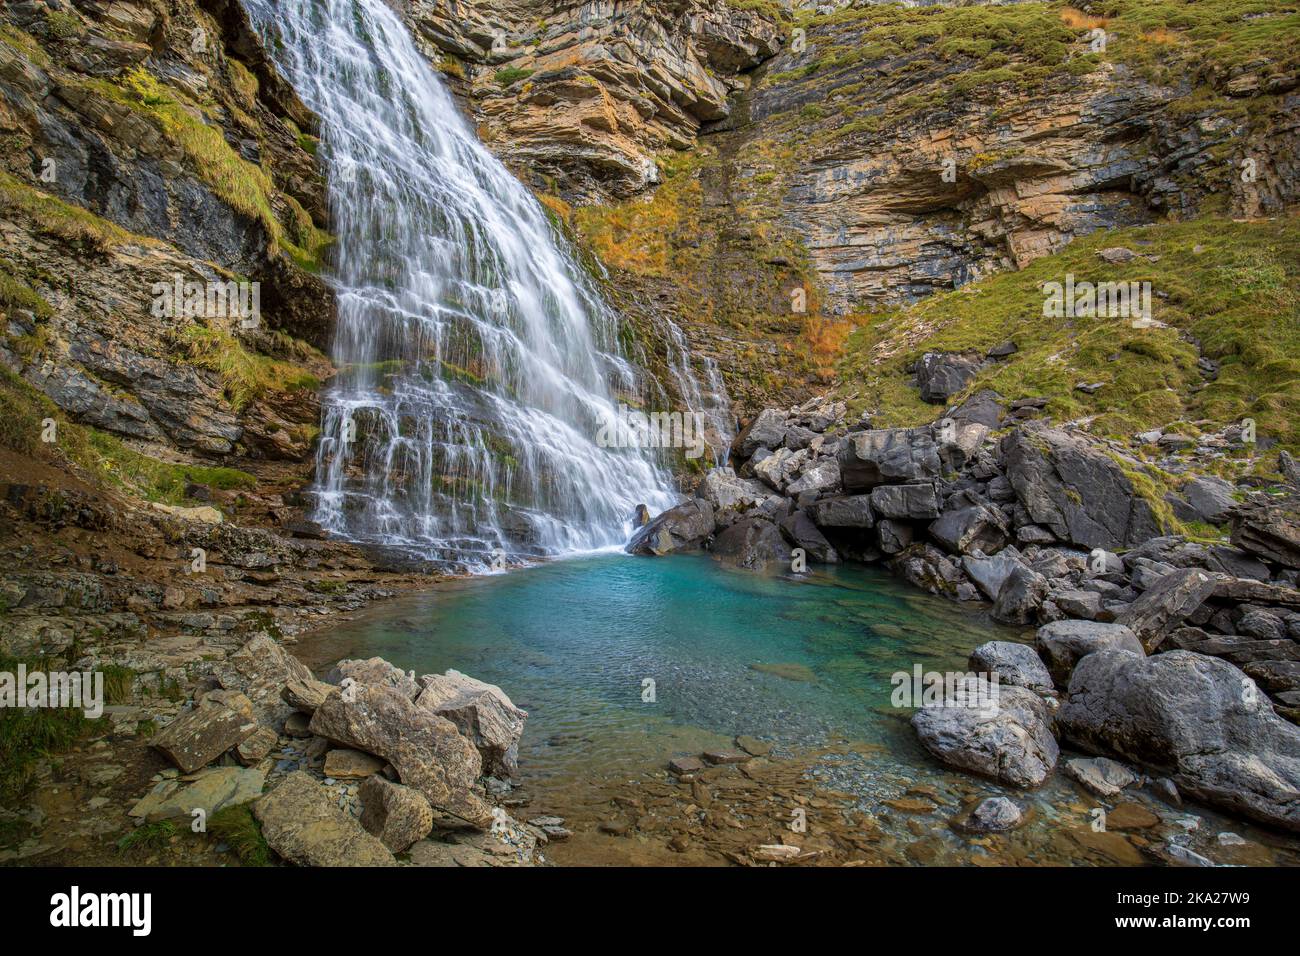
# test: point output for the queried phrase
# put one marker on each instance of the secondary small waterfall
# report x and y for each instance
(477, 362)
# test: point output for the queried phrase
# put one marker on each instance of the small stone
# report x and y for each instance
(993, 815)
(1131, 816)
(346, 764)
(685, 765)
(753, 746)
(725, 756)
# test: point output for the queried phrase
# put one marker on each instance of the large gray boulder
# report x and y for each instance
(1021, 597)
(888, 456)
(969, 529)
(482, 713)
(1062, 644)
(1076, 490)
(678, 529)
(1206, 498)
(916, 501)
(754, 543)
(821, 477)
(1194, 718)
(767, 430)
(990, 573)
(843, 511)
(1014, 664)
(302, 824)
(1166, 604)
(377, 672)
(1010, 742)
(427, 751)
(260, 670)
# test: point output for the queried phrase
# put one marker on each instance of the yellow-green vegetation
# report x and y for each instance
(23, 410)
(148, 837)
(239, 829)
(1234, 287)
(242, 185)
(510, 75)
(28, 736)
(54, 217)
(24, 43)
(17, 294)
(245, 375)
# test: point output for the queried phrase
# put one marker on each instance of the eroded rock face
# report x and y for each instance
(591, 93)
(260, 670)
(301, 823)
(427, 751)
(888, 456)
(1197, 719)
(481, 712)
(1010, 742)
(755, 544)
(398, 816)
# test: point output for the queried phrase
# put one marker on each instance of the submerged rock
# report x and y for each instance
(1100, 775)
(992, 815)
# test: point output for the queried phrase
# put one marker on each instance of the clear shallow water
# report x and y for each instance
(572, 642)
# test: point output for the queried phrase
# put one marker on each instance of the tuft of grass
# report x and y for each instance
(55, 217)
(28, 736)
(148, 837)
(238, 827)
(510, 75)
(245, 375)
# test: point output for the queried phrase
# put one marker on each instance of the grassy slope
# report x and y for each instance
(1234, 287)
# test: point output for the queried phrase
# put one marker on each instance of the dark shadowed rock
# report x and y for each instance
(1015, 664)
(843, 511)
(301, 823)
(1010, 742)
(679, 528)
(888, 456)
(1076, 490)
(916, 501)
(767, 430)
(1062, 644)
(802, 533)
(755, 544)
(1270, 530)
(990, 573)
(894, 536)
(1166, 604)
(983, 408)
(969, 529)
(941, 375)
(428, 751)
(1194, 718)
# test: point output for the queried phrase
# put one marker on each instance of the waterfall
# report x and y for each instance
(477, 363)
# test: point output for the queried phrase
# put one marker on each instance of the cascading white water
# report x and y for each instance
(477, 364)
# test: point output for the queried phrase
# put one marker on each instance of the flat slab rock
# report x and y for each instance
(1100, 775)
(726, 756)
(201, 735)
(301, 823)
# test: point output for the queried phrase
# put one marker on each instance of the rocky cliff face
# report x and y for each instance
(584, 96)
(150, 144)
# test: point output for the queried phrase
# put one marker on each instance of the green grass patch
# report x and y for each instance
(237, 827)
(510, 75)
(55, 217)
(148, 837)
(245, 375)
(29, 736)
(1232, 286)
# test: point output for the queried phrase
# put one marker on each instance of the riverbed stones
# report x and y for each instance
(685, 765)
(1015, 664)
(201, 735)
(302, 824)
(723, 755)
(426, 750)
(1100, 775)
(395, 814)
(1062, 644)
(680, 528)
(1003, 732)
(1198, 719)
(481, 712)
(1166, 604)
